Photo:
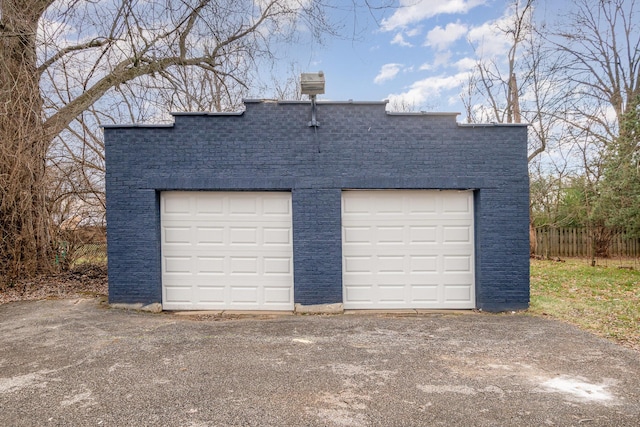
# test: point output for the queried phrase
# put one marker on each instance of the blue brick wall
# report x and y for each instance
(317, 243)
(357, 146)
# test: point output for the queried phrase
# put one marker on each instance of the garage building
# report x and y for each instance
(258, 210)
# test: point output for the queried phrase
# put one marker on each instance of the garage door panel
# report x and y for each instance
(378, 249)
(427, 279)
(457, 293)
(278, 208)
(227, 250)
(423, 264)
(452, 204)
(244, 295)
(359, 294)
(277, 266)
(456, 263)
(355, 235)
(243, 204)
(418, 206)
(391, 293)
(404, 248)
(419, 234)
(276, 236)
(210, 235)
(425, 293)
(277, 295)
(180, 205)
(358, 264)
(211, 294)
(178, 294)
(363, 279)
(456, 290)
(243, 236)
(243, 265)
(357, 204)
(390, 234)
(456, 234)
(388, 209)
(177, 264)
(210, 265)
(208, 205)
(177, 235)
(390, 264)
(391, 279)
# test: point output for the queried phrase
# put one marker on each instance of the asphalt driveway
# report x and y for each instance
(75, 362)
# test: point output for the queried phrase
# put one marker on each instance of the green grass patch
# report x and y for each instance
(603, 299)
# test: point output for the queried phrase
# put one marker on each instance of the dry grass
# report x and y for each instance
(604, 299)
(84, 280)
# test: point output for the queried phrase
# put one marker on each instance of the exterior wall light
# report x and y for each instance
(312, 84)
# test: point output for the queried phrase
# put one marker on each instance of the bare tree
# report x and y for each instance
(599, 44)
(600, 41)
(287, 87)
(522, 85)
(24, 232)
(60, 58)
(500, 83)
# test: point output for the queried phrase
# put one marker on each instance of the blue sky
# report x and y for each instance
(419, 52)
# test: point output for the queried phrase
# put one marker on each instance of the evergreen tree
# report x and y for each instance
(619, 196)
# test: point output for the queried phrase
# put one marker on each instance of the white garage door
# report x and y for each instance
(407, 249)
(226, 251)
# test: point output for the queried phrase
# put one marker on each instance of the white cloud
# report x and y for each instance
(487, 38)
(465, 64)
(413, 11)
(453, 100)
(399, 40)
(423, 92)
(441, 38)
(387, 72)
(440, 59)
(414, 32)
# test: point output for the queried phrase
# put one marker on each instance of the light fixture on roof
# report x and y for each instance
(312, 84)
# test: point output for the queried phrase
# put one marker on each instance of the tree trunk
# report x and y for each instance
(25, 238)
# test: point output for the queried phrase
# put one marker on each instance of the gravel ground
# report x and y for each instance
(79, 363)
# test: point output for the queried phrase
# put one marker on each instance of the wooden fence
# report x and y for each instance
(576, 242)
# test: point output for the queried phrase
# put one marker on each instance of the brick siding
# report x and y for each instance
(357, 146)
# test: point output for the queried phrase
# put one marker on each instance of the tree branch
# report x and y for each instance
(138, 65)
(61, 53)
